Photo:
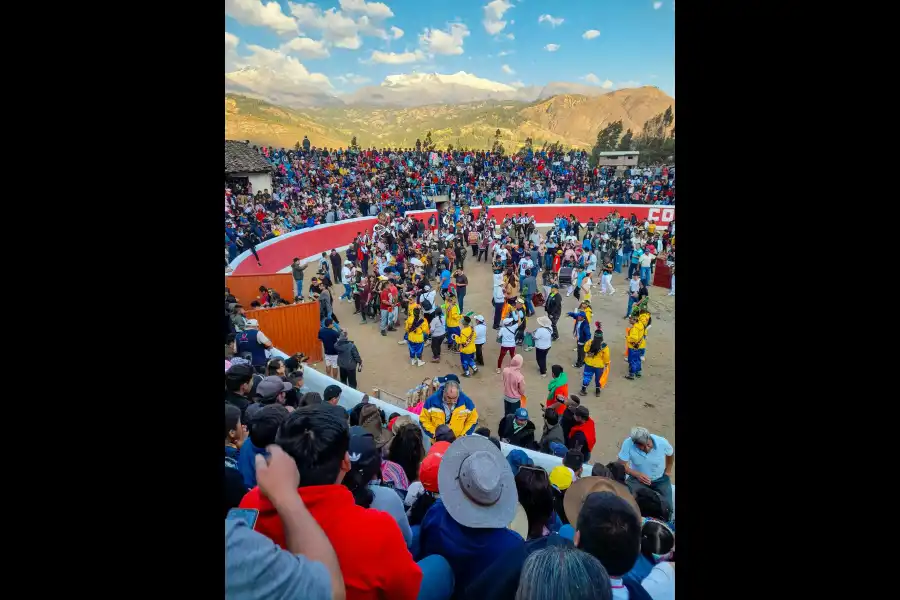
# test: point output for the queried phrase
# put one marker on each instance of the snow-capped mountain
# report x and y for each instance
(417, 89)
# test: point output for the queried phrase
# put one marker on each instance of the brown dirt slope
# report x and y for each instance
(263, 123)
(577, 119)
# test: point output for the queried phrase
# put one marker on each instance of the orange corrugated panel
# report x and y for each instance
(292, 329)
(246, 287)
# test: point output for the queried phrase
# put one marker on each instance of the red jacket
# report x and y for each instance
(589, 431)
(369, 546)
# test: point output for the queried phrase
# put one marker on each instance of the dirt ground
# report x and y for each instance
(649, 401)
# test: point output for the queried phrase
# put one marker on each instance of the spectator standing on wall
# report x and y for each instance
(329, 337)
(297, 271)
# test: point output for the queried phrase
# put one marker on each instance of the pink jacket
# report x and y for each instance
(513, 380)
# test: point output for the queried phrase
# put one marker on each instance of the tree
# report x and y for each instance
(297, 147)
(419, 144)
(449, 147)
(497, 148)
(428, 145)
(657, 142)
(608, 137)
(353, 143)
(626, 141)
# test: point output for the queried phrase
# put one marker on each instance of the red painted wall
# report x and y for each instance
(277, 253)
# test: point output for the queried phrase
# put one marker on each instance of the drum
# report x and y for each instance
(565, 276)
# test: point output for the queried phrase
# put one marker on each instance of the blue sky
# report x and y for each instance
(339, 45)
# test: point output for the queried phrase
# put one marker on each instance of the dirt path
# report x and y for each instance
(649, 401)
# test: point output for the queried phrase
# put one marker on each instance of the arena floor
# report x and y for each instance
(649, 401)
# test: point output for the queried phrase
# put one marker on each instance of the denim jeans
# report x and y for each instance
(645, 275)
(437, 578)
(626, 258)
(528, 304)
(662, 486)
(630, 304)
(348, 290)
(460, 295)
(385, 318)
(298, 287)
(618, 265)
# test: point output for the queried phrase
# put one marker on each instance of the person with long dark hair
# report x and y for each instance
(407, 450)
(416, 330)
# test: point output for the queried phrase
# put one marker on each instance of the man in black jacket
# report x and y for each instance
(553, 306)
(517, 430)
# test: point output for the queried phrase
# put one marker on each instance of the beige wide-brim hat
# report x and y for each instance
(584, 487)
(544, 321)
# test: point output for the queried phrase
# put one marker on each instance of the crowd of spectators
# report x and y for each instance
(312, 185)
(321, 502)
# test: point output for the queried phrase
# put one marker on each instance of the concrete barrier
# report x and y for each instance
(317, 382)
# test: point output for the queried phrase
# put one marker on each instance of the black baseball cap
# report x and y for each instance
(582, 411)
(362, 450)
(332, 391)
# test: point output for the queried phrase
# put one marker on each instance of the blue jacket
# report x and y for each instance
(469, 551)
(247, 462)
(583, 328)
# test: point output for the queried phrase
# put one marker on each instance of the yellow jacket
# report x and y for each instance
(644, 318)
(462, 420)
(466, 340)
(453, 316)
(587, 315)
(598, 360)
(635, 337)
(418, 334)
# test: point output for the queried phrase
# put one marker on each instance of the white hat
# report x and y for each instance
(252, 323)
(347, 262)
(479, 318)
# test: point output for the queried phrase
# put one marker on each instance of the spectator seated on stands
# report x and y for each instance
(449, 401)
(264, 424)
(235, 435)
(317, 438)
(365, 483)
(608, 526)
(563, 573)
(467, 525)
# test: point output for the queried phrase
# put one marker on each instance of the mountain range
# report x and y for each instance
(459, 109)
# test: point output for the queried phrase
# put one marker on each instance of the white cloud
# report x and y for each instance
(505, 52)
(275, 76)
(493, 16)
(444, 42)
(510, 36)
(554, 21)
(260, 14)
(517, 84)
(591, 78)
(591, 34)
(607, 84)
(340, 30)
(375, 10)
(657, 5)
(395, 58)
(305, 48)
(353, 79)
(551, 47)
(508, 70)
(231, 56)
(396, 32)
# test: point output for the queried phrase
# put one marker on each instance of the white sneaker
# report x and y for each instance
(420, 363)
(670, 294)
(412, 361)
(401, 342)
(643, 358)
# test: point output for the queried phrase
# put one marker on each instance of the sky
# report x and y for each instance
(338, 46)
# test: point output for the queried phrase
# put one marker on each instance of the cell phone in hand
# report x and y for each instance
(247, 515)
